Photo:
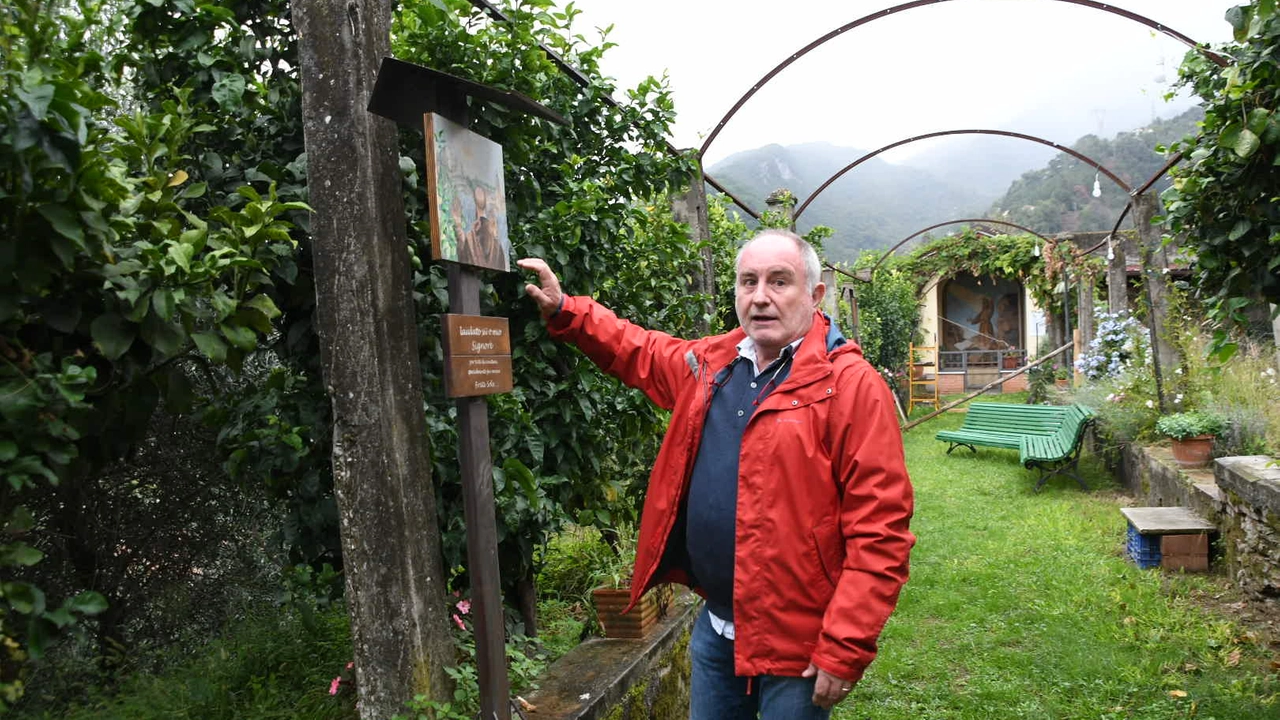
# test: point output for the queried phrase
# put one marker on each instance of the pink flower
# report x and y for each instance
(464, 606)
(333, 686)
(351, 665)
(457, 620)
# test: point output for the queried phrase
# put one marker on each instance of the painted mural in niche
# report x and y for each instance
(982, 314)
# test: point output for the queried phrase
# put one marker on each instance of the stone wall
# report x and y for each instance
(1239, 495)
(604, 679)
(1250, 486)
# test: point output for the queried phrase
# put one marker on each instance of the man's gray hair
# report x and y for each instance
(808, 256)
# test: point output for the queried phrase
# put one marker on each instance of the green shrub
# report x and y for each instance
(572, 563)
(1194, 423)
(272, 665)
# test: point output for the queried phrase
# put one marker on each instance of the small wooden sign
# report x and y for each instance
(477, 355)
(476, 335)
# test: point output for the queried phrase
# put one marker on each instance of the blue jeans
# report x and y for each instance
(717, 694)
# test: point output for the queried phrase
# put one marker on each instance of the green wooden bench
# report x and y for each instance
(1047, 437)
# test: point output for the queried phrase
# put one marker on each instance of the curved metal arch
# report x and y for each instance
(1006, 133)
(917, 233)
(1212, 56)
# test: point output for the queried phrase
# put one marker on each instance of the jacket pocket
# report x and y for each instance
(829, 543)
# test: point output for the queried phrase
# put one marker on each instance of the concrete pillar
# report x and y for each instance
(690, 207)
(782, 201)
(395, 582)
(1154, 263)
(1117, 278)
(1084, 311)
(1275, 332)
(831, 301)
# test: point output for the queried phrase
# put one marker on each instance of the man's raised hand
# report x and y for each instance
(548, 296)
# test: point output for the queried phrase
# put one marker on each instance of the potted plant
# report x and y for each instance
(1062, 377)
(613, 594)
(1192, 433)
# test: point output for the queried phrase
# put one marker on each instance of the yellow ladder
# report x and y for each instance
(923, 382)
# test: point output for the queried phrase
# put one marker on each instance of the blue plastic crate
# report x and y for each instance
(1144, 550)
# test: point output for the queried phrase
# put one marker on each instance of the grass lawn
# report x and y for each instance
(1022, 605)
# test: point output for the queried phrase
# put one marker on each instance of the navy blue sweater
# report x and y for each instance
(713, 486)
(712, 510)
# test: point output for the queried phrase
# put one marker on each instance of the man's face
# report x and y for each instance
(774, 307)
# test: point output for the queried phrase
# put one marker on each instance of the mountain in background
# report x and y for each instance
(878, 203)
(874, 205)
(1059, 197)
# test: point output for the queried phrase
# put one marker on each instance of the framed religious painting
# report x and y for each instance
(466, 197)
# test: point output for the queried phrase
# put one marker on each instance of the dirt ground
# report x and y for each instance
(1258, 619)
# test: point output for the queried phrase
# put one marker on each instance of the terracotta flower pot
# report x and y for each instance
(1193, 452)
(642, 618)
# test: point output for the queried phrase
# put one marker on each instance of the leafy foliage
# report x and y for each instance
(1193, 423)
(1224, 194)
(120, 274)
(1009, 256)
(569, 442)
(888, 320)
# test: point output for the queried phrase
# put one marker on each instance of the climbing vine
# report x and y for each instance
(1036, 263)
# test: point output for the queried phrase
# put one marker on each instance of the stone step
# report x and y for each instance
(1166, 521)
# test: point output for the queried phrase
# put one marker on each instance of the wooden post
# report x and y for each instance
(395, 585)
(691, 207)
(1117, 277)
(1155, 264)
(482, 528)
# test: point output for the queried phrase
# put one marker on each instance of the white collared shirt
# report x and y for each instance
(747, 349)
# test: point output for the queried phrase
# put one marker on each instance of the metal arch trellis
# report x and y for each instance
(1212, 56)
(917, 233)
(1129, 205)
(582, 81)
(1004, 133)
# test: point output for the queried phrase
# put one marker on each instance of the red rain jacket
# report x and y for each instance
(824, 500)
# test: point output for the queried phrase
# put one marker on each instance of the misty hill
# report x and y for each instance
(873, 205)
(879, 203)
(1059, 197)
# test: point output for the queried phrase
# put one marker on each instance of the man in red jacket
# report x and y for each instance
(780, 493)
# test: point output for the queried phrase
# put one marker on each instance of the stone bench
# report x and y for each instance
(1174, 538)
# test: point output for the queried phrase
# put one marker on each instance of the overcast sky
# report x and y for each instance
(1042, 67)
